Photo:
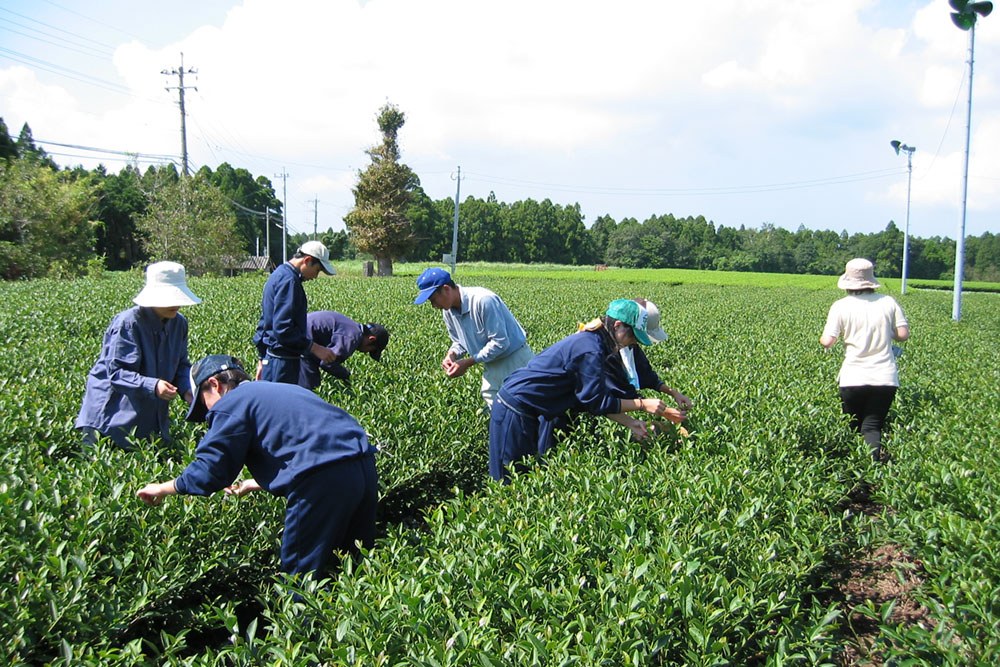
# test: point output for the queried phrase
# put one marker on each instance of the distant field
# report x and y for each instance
(733, 546)
(670, 276)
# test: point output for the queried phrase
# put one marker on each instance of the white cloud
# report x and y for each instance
(687, 97)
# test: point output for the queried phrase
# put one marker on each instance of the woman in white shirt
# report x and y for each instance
(868, 323)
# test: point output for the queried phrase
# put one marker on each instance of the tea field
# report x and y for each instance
(728, 547)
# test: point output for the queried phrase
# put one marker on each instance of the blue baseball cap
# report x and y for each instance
(429, 281)
(632, 314)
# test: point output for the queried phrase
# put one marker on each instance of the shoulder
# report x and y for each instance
(480, 297)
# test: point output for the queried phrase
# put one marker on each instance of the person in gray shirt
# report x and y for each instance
(481, 327)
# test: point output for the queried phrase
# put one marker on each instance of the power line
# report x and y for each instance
(720, 190)
(112, 151)
(102, 49)
(53, 68)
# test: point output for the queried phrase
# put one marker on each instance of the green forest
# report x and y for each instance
(61, 222)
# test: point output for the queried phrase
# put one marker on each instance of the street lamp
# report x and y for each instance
(964, 17)
(897, 146)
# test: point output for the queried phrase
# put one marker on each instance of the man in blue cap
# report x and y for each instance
(294, 444)
(481, 327)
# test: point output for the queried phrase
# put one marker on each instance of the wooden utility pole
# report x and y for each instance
(180, 88)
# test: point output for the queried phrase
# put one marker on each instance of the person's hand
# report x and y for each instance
(324, 354)
(165, 391)
(458, 368)
(449, 365)
(674, 415)
(241, 488)
(639, 429)
(153, 493)
(683, 402)
(260, 370)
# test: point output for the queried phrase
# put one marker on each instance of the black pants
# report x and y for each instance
(868, 407)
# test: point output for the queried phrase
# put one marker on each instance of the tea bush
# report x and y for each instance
(713, 549)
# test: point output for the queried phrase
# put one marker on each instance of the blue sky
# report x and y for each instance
(744, 112)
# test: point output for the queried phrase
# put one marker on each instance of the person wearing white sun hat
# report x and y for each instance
(143, 363)
(868, 323)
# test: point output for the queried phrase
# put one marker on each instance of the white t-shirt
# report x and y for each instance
(866, 323)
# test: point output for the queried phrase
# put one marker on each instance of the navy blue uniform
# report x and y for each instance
(339, 333)
(282, 335)
(296, 445)
(138, 350)
(580, 373)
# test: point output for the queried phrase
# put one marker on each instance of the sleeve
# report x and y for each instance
(218, 459)
(126, 360)
(494, 324)
(288, 331)
(182, 380)
(899, 316)
(833, 327)
(591, 390)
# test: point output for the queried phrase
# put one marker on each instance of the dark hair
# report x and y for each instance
(867, 290)
(231, 377)
(613, 364)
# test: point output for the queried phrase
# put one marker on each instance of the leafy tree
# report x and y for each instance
(600, 233)
(45, 225)
(28, 150)
(431, 227)
(249, 198)
(121, 202)
(191, 222)
(379, 223)
(8, 149)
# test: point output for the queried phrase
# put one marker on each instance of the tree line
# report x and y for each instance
(64, 222)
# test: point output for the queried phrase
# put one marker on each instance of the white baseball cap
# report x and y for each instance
(653, 328)
(318, 251)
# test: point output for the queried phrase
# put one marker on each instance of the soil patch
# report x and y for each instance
(871, 579)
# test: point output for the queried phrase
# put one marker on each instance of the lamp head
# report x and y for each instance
(895, 146)
(966, 12)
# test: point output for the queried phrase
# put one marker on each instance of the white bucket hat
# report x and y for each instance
(166, 287)
(653, 328)
(319, 252)
(858, 274)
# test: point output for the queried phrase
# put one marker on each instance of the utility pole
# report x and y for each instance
(454, 231)
(284, 214)
(179, 73)
(267, 233)
(315, 218)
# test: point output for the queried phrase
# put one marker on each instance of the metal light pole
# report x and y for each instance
(897, 146)
(964, 17)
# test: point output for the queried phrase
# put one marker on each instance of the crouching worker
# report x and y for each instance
(294, 444)
(581, 373)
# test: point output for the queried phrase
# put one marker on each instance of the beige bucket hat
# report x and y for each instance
(858, 274)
